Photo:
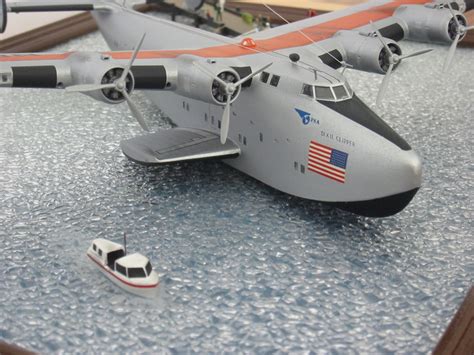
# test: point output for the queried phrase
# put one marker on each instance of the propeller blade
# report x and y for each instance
(454, 15)
(210, 73)
(250, 76)
(383, 87)
(135, 111)
(89, 87)
(416, 53)
(225, 120)
(469, 28)
(132, 59)
(451, 52)
(380, 37)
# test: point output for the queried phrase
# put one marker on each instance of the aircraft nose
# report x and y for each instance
(402, 177)
(412, 164)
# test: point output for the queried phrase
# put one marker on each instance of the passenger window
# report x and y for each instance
(264, 77)
(308, 90)
(245, 140)
(94, 247)
(261, 137)
(100, 252)
(302, 168)
(324, 93)
(275, 80)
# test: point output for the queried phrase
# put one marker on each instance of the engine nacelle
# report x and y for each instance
(98, 69)
(195, 83)
(429, 23)
(366, 52)
(458, 5)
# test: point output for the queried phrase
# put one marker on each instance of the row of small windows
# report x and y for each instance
(242, 139)
(273, 81)
(302, 168)
(94, 247)
(213, 120)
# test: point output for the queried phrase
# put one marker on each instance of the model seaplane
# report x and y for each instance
(275, 105)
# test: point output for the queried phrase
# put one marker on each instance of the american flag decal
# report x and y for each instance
(328, 162)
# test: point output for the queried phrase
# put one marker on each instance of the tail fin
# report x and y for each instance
(49, 5)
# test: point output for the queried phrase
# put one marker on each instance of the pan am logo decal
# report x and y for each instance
(306, 117)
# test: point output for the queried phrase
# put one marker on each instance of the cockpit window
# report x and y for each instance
(324, 93)
(334, 92)
(264, 77)
(340, 92)
(308, 90)
(349, 89)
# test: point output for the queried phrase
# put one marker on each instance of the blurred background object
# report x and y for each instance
(29, 32)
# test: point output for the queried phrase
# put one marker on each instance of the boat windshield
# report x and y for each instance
(136, 272)
(148, 268)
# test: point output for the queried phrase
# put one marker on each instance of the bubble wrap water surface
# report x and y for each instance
(243, 267)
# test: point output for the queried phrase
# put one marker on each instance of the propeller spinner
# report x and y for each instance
(393, 60)
(458, 30)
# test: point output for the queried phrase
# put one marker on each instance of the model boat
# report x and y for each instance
(132, 272)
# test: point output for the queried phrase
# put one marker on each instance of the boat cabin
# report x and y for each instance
(113, 255)
(107, 251)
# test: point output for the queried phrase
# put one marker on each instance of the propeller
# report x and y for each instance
(393, 60)
(119, 85)
(460, 30)
(229, 88)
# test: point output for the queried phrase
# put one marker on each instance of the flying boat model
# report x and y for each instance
(275, 105)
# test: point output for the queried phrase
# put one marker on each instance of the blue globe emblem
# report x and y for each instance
(306, 119)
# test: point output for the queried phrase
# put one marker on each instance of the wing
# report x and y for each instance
(348, 35)
(177, 144)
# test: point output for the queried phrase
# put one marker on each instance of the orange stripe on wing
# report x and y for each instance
(29, 57)
(288, 40)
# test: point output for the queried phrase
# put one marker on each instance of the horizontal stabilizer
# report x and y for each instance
(177, 144)
(65, 5)
(48, 5)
